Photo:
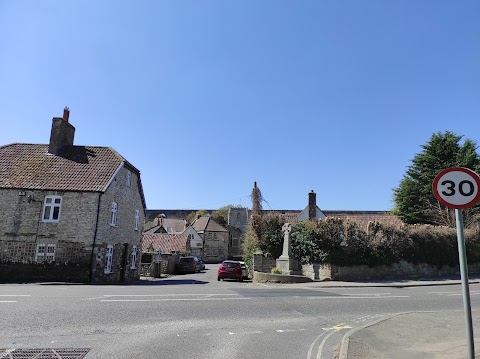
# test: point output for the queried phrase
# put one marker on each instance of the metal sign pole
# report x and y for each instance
(462, 255)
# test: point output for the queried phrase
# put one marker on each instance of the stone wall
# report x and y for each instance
(402, 270)
(263, 264)
(43, 272)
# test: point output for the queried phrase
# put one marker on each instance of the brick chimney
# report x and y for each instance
(312, 205)
(62, 133)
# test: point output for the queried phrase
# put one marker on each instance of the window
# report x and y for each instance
(109, 259)
(40, 252)
(169, 230)
(129, 178)
(45, 252)
(113, 221)
(134, 257)
(51, 209)
(50, 255)
(137, 220)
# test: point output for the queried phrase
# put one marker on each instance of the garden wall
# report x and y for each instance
(400, 270)
(263, 264)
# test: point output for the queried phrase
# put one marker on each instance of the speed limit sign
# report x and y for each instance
(457, 187)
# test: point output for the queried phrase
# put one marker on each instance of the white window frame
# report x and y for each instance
(137, 220)
(109, 259)
(129, 178)
(45, 252)
(113, 217)
(134, 257)
(40, 253)
(50, 253)
(51, 205)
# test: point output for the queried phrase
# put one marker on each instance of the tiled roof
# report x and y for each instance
(177, 225)
(203, 224)
(76, 168)
(363, 217)
(167, 243)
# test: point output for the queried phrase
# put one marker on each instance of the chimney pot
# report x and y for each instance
(312, 205)
(66, 114)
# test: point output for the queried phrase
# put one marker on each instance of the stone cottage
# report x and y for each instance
(80, 208)
(215, 239)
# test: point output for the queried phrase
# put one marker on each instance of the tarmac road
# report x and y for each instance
(195, 316)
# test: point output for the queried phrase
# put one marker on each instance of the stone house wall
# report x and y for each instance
(21, 228)
(123, 236)
(215, 248)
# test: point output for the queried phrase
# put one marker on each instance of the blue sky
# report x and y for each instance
(206, 97)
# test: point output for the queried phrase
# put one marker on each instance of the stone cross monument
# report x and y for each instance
(286, 263)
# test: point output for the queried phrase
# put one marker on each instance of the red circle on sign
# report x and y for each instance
(473, 175)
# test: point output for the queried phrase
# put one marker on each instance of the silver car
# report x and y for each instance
(244, 270)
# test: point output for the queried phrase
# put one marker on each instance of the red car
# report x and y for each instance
(230, 269)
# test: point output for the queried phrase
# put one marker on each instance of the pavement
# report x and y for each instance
(412, 335)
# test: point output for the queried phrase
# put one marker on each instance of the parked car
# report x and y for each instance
(231, 270)
(244, 270)
(202, 263)
(189, 265)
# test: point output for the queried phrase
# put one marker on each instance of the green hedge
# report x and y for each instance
(343, 243)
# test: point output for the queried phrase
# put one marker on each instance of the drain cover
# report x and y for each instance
(57, 353)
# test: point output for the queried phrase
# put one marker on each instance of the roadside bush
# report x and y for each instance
(343, 243)
(276, 270)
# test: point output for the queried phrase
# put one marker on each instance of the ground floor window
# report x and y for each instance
(45, 252)
(134, 257)
(109, 259)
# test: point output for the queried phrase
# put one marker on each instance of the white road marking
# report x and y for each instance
(453, 293)
(8, 301)
(289, 330)
(369, 294)
(320, 348)
(336, 328)
(15, 295)
(352, 297)
(309, 355)
(456, 294)
(170, 299)
(166, 295)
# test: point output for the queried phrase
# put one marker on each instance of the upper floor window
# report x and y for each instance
(137, 220)
(134, 257)
(113, 221)
(109, 259)
(129, 178)
(51, 208)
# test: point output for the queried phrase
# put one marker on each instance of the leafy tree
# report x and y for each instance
(192, 216)
(271, 235)
(256, 200)
(414, 200)
(221, 215)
